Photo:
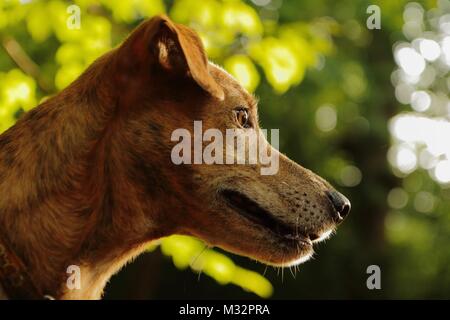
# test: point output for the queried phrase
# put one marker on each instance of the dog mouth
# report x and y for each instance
(253, 212)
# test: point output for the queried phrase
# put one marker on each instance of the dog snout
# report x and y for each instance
(340, 203)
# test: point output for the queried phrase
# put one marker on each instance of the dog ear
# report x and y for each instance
(175, 48)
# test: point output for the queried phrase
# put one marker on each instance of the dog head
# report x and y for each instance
(166, 83)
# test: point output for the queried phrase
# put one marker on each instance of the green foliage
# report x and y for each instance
(187, 251)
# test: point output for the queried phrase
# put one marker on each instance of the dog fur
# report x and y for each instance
(86, 177)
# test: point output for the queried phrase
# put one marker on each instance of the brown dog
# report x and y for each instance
(86, 177)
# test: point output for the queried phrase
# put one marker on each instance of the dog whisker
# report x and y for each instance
(265, 270)
(290, 269)
(196, 258)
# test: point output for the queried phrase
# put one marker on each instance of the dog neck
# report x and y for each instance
(67, 196)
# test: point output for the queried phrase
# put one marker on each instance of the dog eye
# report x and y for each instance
(242, 117)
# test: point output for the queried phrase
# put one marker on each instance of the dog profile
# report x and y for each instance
(86, 177)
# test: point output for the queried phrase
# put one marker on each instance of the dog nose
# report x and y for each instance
(340, 204)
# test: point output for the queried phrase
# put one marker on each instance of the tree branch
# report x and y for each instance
(25, 63)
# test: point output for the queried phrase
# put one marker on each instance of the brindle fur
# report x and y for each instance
(86, 176)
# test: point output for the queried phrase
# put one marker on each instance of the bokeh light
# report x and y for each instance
(420, 100)
(243, 69)
(430, 49)
(326, 118)
(397, 198)
(426, 136)
(350, 176)
(410, 61)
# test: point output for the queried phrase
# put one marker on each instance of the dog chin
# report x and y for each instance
(303, 252)
(292, 262)
(300, 260)
(286, 254)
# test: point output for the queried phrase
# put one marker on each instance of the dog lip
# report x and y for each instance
(298, 238)
(253, 212)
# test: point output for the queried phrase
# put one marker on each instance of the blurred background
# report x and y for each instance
(368, 109)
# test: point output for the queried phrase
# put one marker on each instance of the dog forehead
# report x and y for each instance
(233, 90)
